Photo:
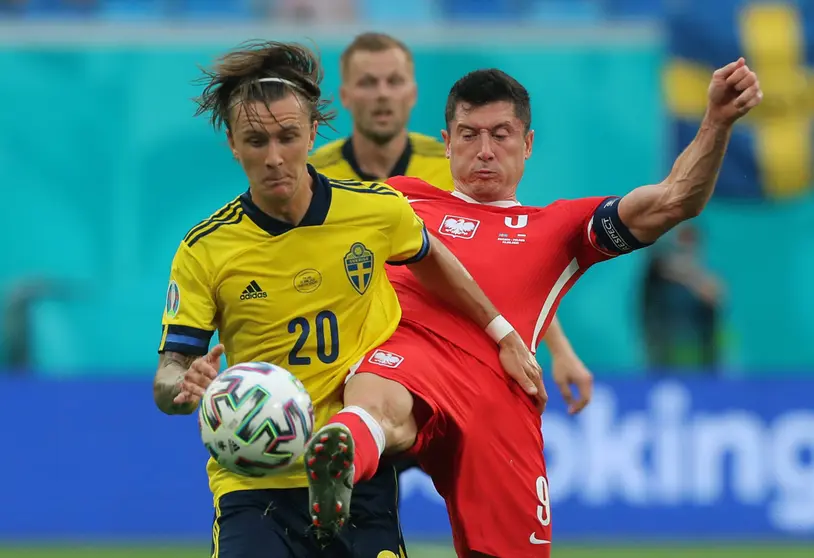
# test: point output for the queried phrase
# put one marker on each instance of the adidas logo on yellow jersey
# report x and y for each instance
(253, 290)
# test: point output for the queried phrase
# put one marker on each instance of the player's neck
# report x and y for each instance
(486, 198)
(378, 159)
(291, 210)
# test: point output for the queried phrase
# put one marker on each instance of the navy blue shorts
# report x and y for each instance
(275, 523)
(403, 464)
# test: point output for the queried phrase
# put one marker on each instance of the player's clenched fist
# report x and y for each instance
(520, 364)
(733, 91)
(200, 374)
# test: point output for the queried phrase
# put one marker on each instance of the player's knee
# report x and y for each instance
(389, 403)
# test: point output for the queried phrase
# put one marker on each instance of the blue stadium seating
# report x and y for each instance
(377, 11)
(372, 10)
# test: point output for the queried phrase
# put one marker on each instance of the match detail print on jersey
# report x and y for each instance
(307, 281)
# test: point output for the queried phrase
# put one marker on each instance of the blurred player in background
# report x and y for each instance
(292, 272)
(477, 435)
(379, 90)
(313, 11)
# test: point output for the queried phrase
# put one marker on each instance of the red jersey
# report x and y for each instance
(524, 258)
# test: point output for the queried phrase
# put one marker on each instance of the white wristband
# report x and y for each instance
(499, 328)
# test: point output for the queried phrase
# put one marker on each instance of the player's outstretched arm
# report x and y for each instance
(442, 274)
(650, 211)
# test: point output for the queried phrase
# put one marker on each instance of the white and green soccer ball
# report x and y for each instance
(255, 419)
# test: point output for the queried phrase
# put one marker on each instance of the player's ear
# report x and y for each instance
(413, 95)
(343, 95)
(231, 139)
(529, 141)
(313, 135)
(445, 136)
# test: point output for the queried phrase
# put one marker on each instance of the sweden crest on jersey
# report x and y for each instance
(359, 267)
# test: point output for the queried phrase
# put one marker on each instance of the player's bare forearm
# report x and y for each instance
(442, 274)
(555, 339)
(651, 211)
(167, 384)
(692, 179)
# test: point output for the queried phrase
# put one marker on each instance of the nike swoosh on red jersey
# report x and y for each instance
(534, 540)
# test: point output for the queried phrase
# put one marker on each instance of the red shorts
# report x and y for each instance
(481, 444)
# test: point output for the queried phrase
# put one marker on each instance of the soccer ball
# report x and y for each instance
(255, 419)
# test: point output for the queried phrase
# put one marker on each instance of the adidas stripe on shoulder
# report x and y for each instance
(230, 214)
(363, 187)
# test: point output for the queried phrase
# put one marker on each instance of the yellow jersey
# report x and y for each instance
(313, 298)
(424, 158)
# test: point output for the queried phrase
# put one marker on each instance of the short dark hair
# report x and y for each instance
(483, 87)
(235, 79)
(371, 42)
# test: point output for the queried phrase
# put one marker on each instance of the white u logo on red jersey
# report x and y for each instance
(522, 221)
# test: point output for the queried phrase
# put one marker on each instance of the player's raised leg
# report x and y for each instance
(378, 417)
(397, 401)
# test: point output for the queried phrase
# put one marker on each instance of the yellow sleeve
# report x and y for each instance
(409, 241)
(189, 311)
(444, 182)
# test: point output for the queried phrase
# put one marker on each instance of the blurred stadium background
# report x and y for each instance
(700, 440)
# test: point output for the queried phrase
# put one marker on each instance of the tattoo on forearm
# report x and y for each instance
(170, 357)
(171, 367)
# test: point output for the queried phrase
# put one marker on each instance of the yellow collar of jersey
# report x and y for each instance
(399, 169)
(315, 215)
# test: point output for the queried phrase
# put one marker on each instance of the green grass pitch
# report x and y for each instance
(423, 551)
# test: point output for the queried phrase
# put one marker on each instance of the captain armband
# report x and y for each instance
(609, 233)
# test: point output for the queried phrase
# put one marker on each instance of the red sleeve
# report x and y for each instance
(414, 188)
(580, 221)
